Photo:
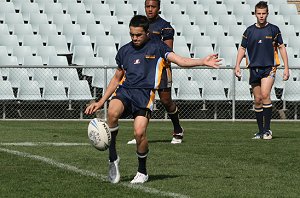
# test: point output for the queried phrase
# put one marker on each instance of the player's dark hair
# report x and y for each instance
(262, 5)
(158, 2)
(140, 21)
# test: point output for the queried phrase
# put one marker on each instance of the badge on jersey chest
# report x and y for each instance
(136, 61)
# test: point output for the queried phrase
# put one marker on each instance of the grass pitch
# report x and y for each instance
(217, 159)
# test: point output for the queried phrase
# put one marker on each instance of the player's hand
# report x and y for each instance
(238, 72)
(92, 108)
(286, 74)
(212, 60)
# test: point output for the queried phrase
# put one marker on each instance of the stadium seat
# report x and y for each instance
(65, 3)
(124, 40)
(55, 91)
(35, 61)
(241, 10)
(84, 20)
(224, 41)
(123, 10)
(107, 53)
(80, 91)
(231, 3)
(89, 3)
(16, 76)
(66, 75)
(184, 3)
(41, 75)
(3, 51)
(229, 54)
(20, 52)
(292, 94)
(33, 41)
(29, 91)
(203, 51)
(295, 20)
(276, 19)
(294, 62)
(21, 30)
(93, 30)
(217, 10)
(100, 10)
(226, 21)
(189, 32)
(36, 19)
(51, 9)
(60, 44)
(237, 32)
(179, 21)
(69, 30)
(92, 61)
(118, 30)
(203, 20)
(98, 80)
(6, 91)
(74, 9)
(170, 10)
(200, 41)
(6, 7)
(249, 20)
(206, 4)
(59, 61)
(214, 31)
(201, 76)
(213, 91)
(60, 19)
(27, 8)
(103, 40)
(13, 18)
(45, 52)
(80, 40)
(4, 29)
(141, 9)
(242, 91)
(193, 10)
(227, 77)
(277, 3)
(179, 41)
(80, 53)
(182, 50)
(107, 21)
(9, 41)
(189, 91)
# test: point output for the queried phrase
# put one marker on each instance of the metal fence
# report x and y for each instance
(46, 92)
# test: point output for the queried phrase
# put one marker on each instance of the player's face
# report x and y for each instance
(151, 9)
(261, 15)
(138, 35)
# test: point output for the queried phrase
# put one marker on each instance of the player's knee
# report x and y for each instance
(139, 134)
(265, 96)
(258, 100)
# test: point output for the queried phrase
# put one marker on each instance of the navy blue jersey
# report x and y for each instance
(161, 29)
(143, 66)
(261, 45)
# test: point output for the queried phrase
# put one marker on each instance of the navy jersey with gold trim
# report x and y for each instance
(261, 45)
(161, 29)
(143, 66)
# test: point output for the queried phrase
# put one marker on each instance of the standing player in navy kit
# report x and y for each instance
(162, 30)
(261, 41)
(139, 74)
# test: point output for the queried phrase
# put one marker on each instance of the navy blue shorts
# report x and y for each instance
(137, 102)
(258, 73)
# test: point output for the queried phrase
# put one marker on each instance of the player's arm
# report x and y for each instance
(284, 57)
(112, 86)
(169, 43)
(240, 56)
(210, 61)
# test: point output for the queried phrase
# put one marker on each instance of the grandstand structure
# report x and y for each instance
(58, 55)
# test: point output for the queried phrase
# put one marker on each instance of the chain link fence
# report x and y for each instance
(64, 92)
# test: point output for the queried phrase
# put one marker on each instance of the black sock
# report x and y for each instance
(175, 120)
(142, 158)
(259, 118)
(112, 148)
(267, 111)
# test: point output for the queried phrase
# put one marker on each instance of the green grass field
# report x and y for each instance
(217, 159)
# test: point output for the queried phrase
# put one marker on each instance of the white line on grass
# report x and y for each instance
(90, 173)
(42, 144)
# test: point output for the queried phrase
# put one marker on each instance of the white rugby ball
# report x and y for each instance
(99, 134)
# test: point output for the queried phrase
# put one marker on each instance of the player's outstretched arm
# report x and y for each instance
(112, 86)
(210, 60)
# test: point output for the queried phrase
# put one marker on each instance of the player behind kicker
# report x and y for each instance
(137, 77)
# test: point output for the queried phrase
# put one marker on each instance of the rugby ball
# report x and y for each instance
(99, 134)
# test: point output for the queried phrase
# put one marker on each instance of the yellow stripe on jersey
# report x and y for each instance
(151, 100)
(161, 63)
(276, 56)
